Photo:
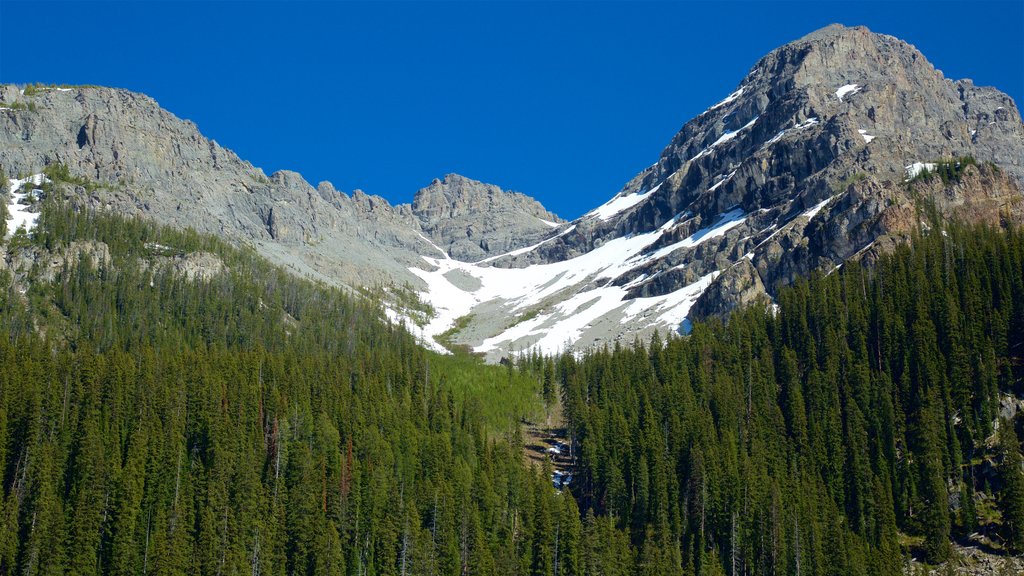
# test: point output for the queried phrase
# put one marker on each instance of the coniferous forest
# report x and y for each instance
(153, 422)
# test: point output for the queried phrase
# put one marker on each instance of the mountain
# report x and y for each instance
(147, 162)
(805, 165)
(825, 152)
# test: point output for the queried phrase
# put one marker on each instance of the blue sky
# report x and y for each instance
(564, 101)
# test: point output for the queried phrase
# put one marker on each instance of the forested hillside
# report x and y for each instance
(228, 418)
(249, 422)
(856, 425)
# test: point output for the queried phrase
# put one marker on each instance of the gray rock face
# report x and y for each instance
(154, 164)
(813, 149)
(449, 211)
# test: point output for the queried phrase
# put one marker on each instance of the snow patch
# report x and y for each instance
(799, 126)
(19, 202)
(418, 333)
(574, 293)
(722, 181)
(672, 308)
(723, 224)
(530, 248)
(620, 204)
(810, 214)
(435, 246)
(917, 167)
(727, 136)
(727, 100)
(867, 137)
(548, 223)
(847, 90)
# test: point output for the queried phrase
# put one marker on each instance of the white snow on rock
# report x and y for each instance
(917, 167)
(574, 293)
(799, 126)
(18, 204)
(670, 309)
(867, 137)
(847, 90)
(560, 479)
(435, 246)
(723, 224)
(620, 203)
(813, 120)
(526, 249)
(727, 99)
(418, 333)
(725, 137)
(548, 223)
(810, 214)
(722, 181)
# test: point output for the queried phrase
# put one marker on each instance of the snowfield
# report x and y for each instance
(561, 300)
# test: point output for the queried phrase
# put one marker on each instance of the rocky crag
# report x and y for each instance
(148, 162)
(827, 151)
(814, 149)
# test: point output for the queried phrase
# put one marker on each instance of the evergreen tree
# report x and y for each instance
(1011, 497)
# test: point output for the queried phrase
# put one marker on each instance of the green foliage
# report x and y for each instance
(948, 170)
(842, 184)
(446, 338)
(1011, 497)
(816, 436)
(409, 301)
(19, 105)
(256, 422)
(4, 191)
(253, 422)
(61, 173)
(37, 88)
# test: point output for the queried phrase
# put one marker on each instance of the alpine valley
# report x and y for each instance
(794, 344)
(805, 166)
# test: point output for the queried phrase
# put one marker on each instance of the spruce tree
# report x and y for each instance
(1011, 497)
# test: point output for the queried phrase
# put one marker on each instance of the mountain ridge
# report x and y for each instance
(151, 163)
(812, 161)
(804, 166)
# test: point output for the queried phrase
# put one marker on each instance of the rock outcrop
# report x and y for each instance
(820, 156)
(147, 162)
(815, 148)
(449, 211)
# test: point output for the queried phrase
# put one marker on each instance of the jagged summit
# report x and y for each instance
(803, 166)
(811, 161)
(155, 164)
(450, 211)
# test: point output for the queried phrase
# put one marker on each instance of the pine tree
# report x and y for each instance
(1011, 497)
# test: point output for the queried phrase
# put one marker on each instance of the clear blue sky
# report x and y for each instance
(564, 101)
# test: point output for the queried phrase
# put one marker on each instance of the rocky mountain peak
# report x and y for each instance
(811, 161)
(145, 161)
(471, 220)
(820, 155)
